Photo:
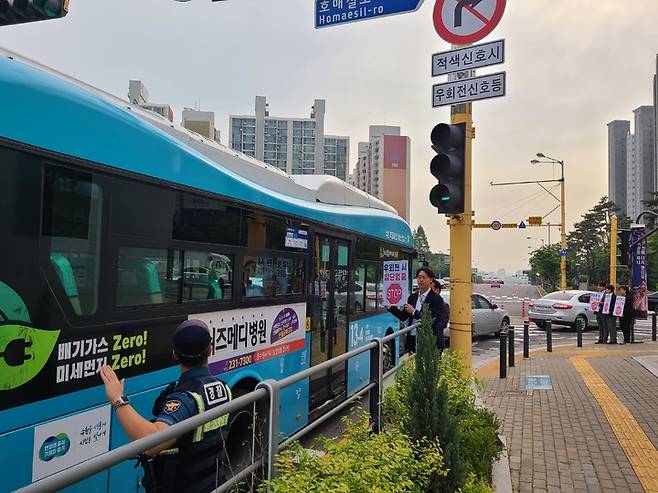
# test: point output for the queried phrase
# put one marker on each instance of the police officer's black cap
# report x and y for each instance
(191, 338)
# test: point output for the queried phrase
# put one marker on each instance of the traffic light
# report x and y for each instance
(623, 241)
(448, 167)
(20, 11)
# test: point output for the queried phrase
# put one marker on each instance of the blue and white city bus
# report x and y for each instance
(117, 225)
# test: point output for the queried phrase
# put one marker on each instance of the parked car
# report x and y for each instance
(357, 299)
(487, 317)
(570, 308)
(495, 284)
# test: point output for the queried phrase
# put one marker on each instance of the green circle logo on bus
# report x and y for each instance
(24, 350)
(54, 446)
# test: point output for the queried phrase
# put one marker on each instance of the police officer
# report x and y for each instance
(193, 462)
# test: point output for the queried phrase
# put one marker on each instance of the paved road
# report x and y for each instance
(509, 296)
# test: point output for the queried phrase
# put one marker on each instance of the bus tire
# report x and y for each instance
(243, 446)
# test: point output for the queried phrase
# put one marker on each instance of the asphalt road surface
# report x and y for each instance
(509, 297)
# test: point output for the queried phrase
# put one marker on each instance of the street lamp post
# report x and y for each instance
(563, 234)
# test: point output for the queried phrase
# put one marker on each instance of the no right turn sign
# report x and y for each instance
(466, 21)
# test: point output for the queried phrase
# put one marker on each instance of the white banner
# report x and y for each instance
(61, 444)
(619, 306)
(594, 301)
(395, 289)
(246, 336)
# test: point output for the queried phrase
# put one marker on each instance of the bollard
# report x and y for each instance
(549, 336)
(526, 339)
(579, 335)
(653, 327)
(503, 355)
(510, 341)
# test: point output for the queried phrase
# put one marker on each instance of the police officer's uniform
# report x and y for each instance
(195, 464)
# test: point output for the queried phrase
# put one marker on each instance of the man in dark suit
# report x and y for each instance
(411, 310)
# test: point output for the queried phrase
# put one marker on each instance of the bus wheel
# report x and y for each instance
(244, 443)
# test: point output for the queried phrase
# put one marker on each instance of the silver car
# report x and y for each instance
(487, 318)
(569, 308)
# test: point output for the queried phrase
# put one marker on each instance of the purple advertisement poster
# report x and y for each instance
(638, 257)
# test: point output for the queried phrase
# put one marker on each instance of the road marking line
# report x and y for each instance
(641, 453)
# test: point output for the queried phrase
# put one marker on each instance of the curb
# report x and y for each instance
(501, 476)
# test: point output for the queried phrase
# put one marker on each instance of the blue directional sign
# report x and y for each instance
(334, 12)
(564, 253)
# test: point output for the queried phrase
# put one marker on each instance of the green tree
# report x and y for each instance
(545, 261)
(589, 242)
(421, 245)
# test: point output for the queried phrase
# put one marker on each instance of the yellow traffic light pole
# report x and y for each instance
(461, 288)
(613, 250)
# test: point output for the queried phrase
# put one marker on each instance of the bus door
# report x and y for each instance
(329, 317)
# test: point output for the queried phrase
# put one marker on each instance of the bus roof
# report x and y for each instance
(49, 110)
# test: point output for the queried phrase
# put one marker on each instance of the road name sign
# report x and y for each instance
(466, 90)
(334, 12)
(471, 57)
(535, 220)
(466, 21)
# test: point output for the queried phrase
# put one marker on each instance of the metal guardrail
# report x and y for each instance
(268, 389)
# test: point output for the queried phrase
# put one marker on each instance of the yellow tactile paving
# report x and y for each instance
(641, 453)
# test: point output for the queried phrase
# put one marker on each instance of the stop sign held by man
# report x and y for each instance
(394, 294)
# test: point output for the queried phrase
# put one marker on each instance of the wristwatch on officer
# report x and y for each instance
(121, 401)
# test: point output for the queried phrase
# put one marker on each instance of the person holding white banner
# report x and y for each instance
(607, 312)
(596, 307)
(627, 319)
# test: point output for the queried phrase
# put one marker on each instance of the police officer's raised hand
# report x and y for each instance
(113, 386)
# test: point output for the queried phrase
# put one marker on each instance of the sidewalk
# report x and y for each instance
(595, 430)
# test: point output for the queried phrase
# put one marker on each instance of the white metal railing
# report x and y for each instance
(269, 390)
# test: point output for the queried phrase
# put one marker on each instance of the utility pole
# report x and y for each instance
(563, 234)
(613, 250)
(461, 254)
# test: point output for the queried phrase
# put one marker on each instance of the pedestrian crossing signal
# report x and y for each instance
(448, 167)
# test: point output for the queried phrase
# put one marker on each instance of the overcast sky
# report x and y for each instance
(571, 68)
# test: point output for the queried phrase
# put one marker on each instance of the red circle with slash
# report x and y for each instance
(481, 21)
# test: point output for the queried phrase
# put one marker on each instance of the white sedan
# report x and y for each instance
(487, 317)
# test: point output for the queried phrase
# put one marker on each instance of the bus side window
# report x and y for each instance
(207, 276)
(148, 276)
(357, 291)
(71, 223)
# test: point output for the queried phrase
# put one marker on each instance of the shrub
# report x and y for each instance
(476, 427)
(362, 462)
